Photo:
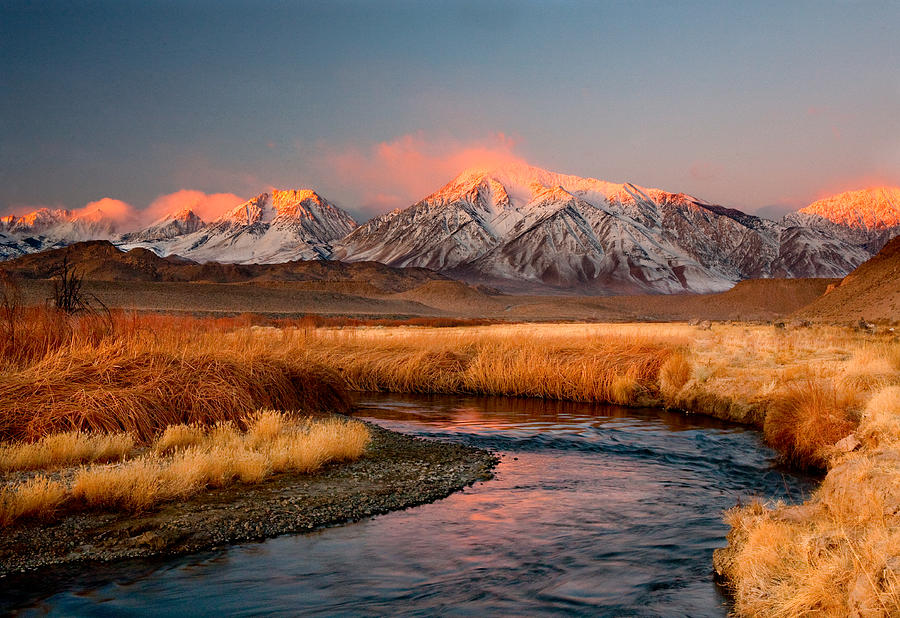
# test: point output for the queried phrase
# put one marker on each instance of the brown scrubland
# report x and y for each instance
(138, 279)
(135, 397)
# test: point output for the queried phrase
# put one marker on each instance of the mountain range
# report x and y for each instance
(518, 228)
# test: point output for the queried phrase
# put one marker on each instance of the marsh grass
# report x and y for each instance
(839, 553)
(808, 418)
(178, 468)
(148, 373)
(569, 363)
(36, 498)
(188, 388)
(65, 449)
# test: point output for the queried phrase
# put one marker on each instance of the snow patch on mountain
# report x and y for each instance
(272, 227)
(868, 218)
(525, 225)
(168, 227)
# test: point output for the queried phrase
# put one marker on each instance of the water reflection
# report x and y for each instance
(594, 510)
(507, 413)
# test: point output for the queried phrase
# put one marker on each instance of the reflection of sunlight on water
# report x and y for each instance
(508, 413)
(593, 509)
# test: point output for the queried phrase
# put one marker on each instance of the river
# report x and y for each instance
(597, 510)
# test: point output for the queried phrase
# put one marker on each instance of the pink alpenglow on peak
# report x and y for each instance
(868, 218)
(278, 226)
(876, 208)
(519, 227)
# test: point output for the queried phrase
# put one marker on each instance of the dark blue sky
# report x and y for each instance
(375, 103)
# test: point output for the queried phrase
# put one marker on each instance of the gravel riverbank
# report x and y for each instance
(397, 472)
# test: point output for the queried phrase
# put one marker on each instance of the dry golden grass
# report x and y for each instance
(174, 378)
(133, 486)
(150, 373)
(571, 362)
(805, 386)
(839, 553)
(178, 437)
(38, 497)
(176, 468)
(674, 374)
(65, 449)
(807, 419)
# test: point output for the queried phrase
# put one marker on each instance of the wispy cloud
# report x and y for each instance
(207, 206)
(128, 217)
(396, 173)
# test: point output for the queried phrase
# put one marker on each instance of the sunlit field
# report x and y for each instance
(156, 408)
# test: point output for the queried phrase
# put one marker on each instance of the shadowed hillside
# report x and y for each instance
(100, 260)
(872, 291)
(139, 279)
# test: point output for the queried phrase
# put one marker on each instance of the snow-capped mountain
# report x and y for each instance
(868, 217)
(272, 227)
(12, 247)
(524, 225)
(49, 228)
(168, 227)
(61, 224)
(517, 227)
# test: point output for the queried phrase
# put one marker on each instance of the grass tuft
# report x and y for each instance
(65, 449)
(806, 420)
(188, 460)
(38, 497)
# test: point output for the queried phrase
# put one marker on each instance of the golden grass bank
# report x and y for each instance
(161, 380)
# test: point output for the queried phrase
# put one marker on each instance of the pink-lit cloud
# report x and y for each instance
(853, 183)
(110, 209)
(127, 217)
(207, 206)
(396, 173)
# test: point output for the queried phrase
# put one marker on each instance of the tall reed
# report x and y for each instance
(146, 373)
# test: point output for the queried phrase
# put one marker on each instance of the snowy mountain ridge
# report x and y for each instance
(868, 217)
(515, 226)
(280, 226)
(522, 226)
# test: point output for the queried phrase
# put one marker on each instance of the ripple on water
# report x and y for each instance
(594, 509)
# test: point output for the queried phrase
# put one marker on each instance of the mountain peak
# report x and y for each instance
(875, 208)
(520, 183)
(280, 205)
(185, 214)
(297, 203)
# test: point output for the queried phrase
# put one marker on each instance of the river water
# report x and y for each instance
(596, 510)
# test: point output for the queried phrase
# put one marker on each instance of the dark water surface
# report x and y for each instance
(594, 510)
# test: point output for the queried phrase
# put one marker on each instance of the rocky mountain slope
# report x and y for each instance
(521, 227)
(868, 217)
(167, 228)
